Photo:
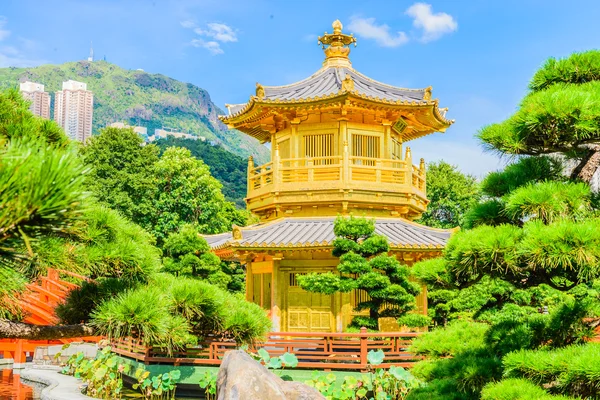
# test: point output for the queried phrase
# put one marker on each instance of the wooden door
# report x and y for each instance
(308, 312)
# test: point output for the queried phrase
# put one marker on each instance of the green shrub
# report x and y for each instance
(456, 337)
(572, 370)
(81, 302)
(139, 313)
(439, 389)
(517, 389)
(174, 312)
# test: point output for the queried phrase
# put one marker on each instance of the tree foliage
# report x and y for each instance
(187, 253)
(226, 167)
(121, 174)
(528, 265)
(450, 194)
(174, 312)
(559, 115)
(158, 193)
(41, 190)
(364, 265)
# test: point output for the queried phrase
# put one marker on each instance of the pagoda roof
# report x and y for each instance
(328, 82)
(290, 233)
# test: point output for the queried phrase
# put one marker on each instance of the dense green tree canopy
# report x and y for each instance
(450, 194)
(159, 193)
(365, 265)
(187, 193)
(121, 174)
(47, 220)
(228, 168)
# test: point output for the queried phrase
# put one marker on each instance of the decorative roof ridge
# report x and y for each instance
(388, 85)
(438, 114)
(309, 219)
(316, 73)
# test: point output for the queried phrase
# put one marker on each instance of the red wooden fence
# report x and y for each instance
(326, 351)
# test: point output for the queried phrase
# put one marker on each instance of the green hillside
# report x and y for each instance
(139, 98)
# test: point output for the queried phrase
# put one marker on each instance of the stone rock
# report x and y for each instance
(242, 378)
(300, 391)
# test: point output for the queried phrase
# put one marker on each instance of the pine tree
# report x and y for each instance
(365, 265)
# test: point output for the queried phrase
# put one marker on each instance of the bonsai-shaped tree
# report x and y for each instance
(365, 265)
(189, 254)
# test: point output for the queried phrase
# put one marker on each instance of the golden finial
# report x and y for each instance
(260, 91)
(337, 26)
(336, 45)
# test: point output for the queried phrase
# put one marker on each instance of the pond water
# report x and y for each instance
(11, 387)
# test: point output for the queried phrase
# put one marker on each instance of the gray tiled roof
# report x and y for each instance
(318, 232)
(328, 81)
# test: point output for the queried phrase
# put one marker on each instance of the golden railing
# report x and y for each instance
(312, 172)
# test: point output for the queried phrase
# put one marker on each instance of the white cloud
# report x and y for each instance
(220, 32)
(4, 33)
(211, 36)
(433, 25)
(369, 29)
(212, 46)
(188, 24)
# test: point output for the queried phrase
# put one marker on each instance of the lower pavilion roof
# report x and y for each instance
(288, 233)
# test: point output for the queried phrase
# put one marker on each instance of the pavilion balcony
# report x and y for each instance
(389, 183)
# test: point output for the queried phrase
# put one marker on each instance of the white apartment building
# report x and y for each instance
(163, 133)
(40, 100)
(140, 130)
(74, 109)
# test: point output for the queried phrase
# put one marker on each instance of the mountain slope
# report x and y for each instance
(139, 98)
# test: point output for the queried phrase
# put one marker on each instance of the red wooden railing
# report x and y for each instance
(38, 302)
(326, 351)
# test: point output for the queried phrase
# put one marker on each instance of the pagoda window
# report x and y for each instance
(365, 149)
(396, 149)
(320, 147)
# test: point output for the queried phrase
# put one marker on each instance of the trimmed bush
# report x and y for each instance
(573, 370)
(517, 389)
(456, 337)
(174, 312)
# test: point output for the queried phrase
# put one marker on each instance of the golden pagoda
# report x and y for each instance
(337, 148)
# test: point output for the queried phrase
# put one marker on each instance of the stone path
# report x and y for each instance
(58, 386)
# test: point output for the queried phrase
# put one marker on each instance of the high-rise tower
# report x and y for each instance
(91, 56)
(40, 100)
(73, 110)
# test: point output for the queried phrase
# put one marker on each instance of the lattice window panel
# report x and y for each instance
(321, 145)
(365, 146)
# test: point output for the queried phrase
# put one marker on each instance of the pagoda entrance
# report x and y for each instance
(308, 312)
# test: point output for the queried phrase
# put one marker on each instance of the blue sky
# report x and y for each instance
(477, 55)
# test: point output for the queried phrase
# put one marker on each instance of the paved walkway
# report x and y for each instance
(58, 386)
